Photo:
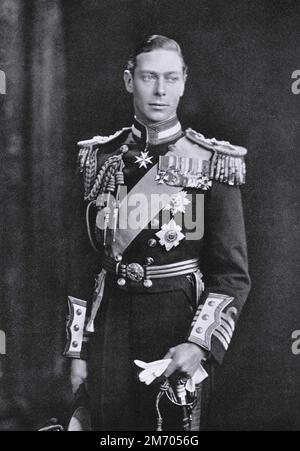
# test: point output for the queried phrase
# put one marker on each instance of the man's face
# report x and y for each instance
(157, 85)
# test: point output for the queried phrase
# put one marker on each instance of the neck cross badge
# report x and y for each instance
(143, 160)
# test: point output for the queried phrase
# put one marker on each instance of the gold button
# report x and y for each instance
(152, 242)
(76, 328)
(147, 283)
(75, 344)
(121, 282)
(78, 312)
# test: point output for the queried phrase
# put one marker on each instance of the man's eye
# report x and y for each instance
(172, 78)
(148, 77)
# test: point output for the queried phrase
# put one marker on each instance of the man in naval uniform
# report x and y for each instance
(158, 271)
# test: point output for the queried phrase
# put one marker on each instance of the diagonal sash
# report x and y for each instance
(155, 198)
(155, 195)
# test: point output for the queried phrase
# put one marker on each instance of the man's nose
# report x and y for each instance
(160, 88)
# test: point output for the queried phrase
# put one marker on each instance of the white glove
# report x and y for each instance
(155, 369)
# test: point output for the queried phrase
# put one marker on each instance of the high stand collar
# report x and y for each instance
(157, 133)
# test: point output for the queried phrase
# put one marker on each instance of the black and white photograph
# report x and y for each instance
(149, 218)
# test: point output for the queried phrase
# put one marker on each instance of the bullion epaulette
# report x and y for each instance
(90, 146)
(96, 140)
(227, 164)
(87, 156)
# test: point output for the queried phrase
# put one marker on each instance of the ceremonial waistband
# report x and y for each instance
(135, 272)
(138, 273)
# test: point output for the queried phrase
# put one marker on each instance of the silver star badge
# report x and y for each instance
(143, 160)
(170, 235)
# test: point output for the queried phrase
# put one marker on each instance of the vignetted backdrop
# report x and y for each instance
(34, 195)
(64, 62)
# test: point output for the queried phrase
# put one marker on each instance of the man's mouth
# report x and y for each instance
(158, 105)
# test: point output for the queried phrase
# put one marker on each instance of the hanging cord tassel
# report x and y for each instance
(106, 219)
(119, 180)
(159, 417)
(165, 386)
(111, 186)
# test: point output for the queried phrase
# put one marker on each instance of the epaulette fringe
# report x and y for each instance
(87, 157)
(227, 164)
(96, 140)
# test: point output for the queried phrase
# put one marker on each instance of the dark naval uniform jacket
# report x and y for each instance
(158, 257)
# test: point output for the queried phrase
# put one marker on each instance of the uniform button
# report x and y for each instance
(75, 344)
(199, 330)
(124, 148)
(205, 317)
(148, 283)
(150, 260)
(76, 328)
(118, 258)
(121, 282)
(152, 242)
(78, 312)
(211, 303)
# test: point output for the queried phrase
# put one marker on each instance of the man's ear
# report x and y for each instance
(183, 86)
(128, 80)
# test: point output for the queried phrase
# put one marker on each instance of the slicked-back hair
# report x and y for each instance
(155, 42)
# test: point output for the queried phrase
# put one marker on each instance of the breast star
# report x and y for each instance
(170, 235)
(143, 160)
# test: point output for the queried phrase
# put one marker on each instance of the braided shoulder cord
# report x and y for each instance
(90, 168)
(104, 175)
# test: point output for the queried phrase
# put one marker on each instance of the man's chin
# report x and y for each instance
(158, 116)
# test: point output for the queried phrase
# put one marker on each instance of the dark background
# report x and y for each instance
(64, 62)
